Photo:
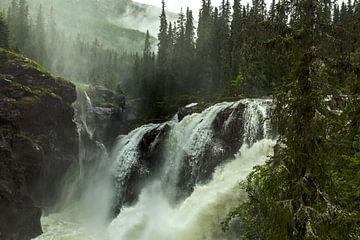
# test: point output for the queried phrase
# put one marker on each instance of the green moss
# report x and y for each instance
(14, 64)
(20, 60)
(84, 87)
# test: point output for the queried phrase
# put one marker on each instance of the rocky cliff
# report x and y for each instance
(38, 143)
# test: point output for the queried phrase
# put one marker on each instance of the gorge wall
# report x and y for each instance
(38, 143)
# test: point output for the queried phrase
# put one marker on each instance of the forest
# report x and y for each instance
(303, 54)
(239, 50)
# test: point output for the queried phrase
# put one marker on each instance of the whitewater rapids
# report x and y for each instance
(158, 214)
(153, 217)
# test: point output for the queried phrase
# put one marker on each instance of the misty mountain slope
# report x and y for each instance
(141, 17)
(116, 24)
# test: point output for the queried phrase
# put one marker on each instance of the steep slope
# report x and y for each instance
(116, 24)
(38, 143)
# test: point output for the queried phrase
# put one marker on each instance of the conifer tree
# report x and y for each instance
(204, 48)
(4, 33)
(189, 32)
(189, 52)
(236, 38)
(162, 63)
(292, 195)
(40, 46)
(163, 44)
(147, 71)
(22, 31)
(225, 47)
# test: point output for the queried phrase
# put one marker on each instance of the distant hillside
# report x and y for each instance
(118, 24)
(140, 17)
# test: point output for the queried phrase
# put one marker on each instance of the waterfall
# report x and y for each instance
(199, 216)
(172, 181)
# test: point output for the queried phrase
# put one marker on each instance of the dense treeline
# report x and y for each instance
(309, 189)
(243, 50)
(234, 50)
(78, 59)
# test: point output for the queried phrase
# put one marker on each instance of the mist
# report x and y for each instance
(141, 17)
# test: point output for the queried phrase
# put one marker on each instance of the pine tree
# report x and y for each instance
(189, 29)
(53, 39)
(189, 52)
(163, 44)
(12, 23)
(40, 51)
(147, 46)
(4, 33)
(225, 45)
(204, 48)
(162, 63)
(236, 38)
(135, 89)
(147, 71)
(171, 34)
(292, 195)
(22, 25)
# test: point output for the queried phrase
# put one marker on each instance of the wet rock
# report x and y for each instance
(188, 110)
(103, 97)
(109, 123)
(38, 143)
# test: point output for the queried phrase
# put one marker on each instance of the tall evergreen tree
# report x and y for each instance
(40, 46)
(148, 65)
(22, 31)
(236, 38)
(204, 48)
(189, 29)
(225, 45)
(189, 52)
(4, 33)
(162, 63)
(163, 44)
(292, 195)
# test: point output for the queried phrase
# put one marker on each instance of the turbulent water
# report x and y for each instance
(188, 149)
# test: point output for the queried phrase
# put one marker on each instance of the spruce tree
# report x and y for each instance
(22, 24)
(225, 46)
(163, 53)
(204, 48)
(236, 38)
(189, 30)
(147, 71)
(4, 33)
(163, 44)
(292, 195)
(189, 52)
(40, 51)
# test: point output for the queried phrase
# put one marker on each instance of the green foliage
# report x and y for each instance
(308, 189)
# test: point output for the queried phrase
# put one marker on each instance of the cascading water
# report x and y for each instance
(176, 180)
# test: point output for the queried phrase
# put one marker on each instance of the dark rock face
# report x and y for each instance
(111, 118)
(103, 97)
(38, 143)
